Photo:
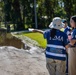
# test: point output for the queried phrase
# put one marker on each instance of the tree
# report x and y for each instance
(7, 10)
(21, 12)
(17, 15)
(13, 13)
(70, 7)
(41, 14)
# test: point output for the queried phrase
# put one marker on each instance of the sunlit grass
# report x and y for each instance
(37, 37)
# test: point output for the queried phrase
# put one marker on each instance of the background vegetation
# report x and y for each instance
(20, 13)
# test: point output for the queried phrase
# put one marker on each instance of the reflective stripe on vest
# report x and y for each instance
(54, 54)
(50, 53)
(56, 46)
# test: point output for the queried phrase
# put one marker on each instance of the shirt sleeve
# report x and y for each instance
(65, 40)
(45, 34)
(67, 31)
(74, 34)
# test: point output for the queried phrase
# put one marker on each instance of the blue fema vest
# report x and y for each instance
(56, 46)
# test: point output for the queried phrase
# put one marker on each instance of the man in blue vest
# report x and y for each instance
(67, 30)
(55, 50)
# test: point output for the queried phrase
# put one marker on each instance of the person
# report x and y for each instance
(67, 30)
(72, 49)
(55, 50)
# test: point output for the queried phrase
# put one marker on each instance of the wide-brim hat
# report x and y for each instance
(56, 23)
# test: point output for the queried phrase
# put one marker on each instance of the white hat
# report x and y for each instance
(56, 23)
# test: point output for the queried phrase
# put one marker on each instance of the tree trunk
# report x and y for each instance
(19, 21)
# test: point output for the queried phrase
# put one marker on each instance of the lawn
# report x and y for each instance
(37, 37)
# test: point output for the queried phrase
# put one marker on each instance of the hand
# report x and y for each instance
(72, 42)
(69, 37)
(30, 29)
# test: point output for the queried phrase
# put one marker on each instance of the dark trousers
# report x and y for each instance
(67, 65)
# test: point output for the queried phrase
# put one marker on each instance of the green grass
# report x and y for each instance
(37, 37)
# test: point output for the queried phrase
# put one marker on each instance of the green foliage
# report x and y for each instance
(70, 7)
(60, 12)
(13, 14)
(21, 12)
